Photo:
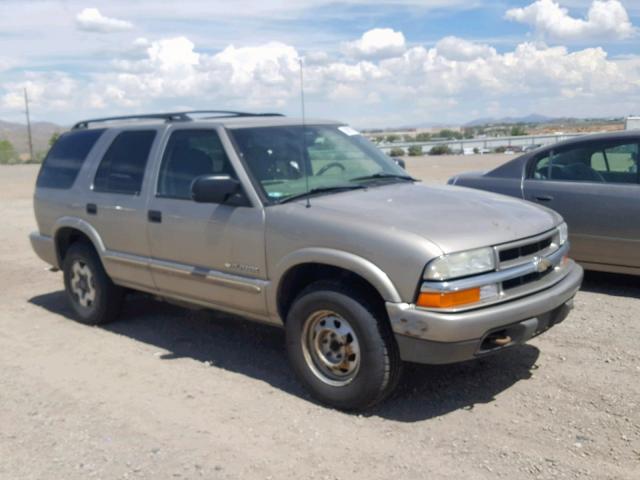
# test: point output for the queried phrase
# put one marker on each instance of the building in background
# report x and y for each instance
(632, 123)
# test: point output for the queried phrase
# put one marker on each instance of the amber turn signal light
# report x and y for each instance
(448, 299)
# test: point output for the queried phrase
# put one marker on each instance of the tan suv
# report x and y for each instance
(308, 226)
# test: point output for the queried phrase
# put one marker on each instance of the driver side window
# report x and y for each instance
(190, 154)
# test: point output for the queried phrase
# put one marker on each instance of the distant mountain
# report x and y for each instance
(533, 118)
(41, 132)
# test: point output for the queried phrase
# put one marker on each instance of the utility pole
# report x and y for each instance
(26, 104)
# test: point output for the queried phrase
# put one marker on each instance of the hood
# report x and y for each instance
(452, 218)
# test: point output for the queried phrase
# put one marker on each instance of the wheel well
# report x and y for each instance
(299, 277)
(67, 236)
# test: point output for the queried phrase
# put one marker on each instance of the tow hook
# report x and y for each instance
(502, 341)
(499, 340)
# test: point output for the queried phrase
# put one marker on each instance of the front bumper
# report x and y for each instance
(433, 337)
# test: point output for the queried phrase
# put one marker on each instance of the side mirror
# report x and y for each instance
(400, 162)
(214, 188)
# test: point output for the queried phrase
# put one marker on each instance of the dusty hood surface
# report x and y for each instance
(453, 218)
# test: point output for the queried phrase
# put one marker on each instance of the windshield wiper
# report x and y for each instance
(313, 191)
(384, 175)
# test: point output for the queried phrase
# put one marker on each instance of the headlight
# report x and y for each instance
(563, 233)
(461, 264)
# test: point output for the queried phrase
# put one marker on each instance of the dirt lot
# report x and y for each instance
(169, 393)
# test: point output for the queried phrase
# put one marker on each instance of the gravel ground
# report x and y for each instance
(167, 393)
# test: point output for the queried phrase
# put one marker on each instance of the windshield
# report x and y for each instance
(333, 157)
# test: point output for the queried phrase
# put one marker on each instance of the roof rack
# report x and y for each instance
(175, 116)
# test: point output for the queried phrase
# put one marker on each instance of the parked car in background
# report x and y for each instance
(593, 182)
(304, 225)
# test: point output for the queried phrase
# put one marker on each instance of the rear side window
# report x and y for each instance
(62, 164)
(597, 162)
(122, 167)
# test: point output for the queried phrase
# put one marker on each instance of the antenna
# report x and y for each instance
(304, 131)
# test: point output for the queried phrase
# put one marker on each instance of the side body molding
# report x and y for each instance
(337, 258)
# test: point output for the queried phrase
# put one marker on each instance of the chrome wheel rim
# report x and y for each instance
(82, 284)
(331, 348)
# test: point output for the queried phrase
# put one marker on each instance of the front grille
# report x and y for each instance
(524, 280)
(525, 251)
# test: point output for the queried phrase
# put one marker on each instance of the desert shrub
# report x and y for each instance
(415, 150)
(397, 152)
(518, 131)
(440, 150)
(8, 153)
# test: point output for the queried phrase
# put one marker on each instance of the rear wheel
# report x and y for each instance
(94, 298)
(341, 347)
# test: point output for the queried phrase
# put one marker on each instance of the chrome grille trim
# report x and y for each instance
(551, 235)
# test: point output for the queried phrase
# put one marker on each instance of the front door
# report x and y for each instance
(594, 186)
(201, 252)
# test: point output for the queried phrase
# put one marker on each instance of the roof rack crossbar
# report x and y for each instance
(174, 116)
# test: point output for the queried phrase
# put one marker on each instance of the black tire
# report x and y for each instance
(379, 365)
(105, 301)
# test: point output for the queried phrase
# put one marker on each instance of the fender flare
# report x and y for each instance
(337, 258)
(82, 226)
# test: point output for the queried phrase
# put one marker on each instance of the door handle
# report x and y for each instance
(92, 208)
(154, 216)
(544, 198)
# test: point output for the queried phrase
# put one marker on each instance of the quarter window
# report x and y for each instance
(122, 167)
(191, 154)
(63, 162)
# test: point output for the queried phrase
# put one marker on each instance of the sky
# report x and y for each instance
(370, 63)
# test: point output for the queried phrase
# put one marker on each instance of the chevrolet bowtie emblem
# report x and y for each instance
(541, 264)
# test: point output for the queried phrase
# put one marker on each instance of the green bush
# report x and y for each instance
(447, 133)
(440, 150)
(397, 152)
(8, 153)
(518, 131)
(415, 150)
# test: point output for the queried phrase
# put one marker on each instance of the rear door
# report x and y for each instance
(204, 252)
(594, 186)
(115, 205)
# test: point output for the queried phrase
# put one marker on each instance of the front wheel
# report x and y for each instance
(341, 347)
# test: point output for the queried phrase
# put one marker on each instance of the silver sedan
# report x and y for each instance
(593, 181)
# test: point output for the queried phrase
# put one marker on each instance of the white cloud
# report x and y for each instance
(91, 20)
(455, 48)
(6, 63)
(377, 43)
(606, 19)
(444, 82)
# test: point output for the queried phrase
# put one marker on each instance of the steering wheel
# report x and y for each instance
(330, 166)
